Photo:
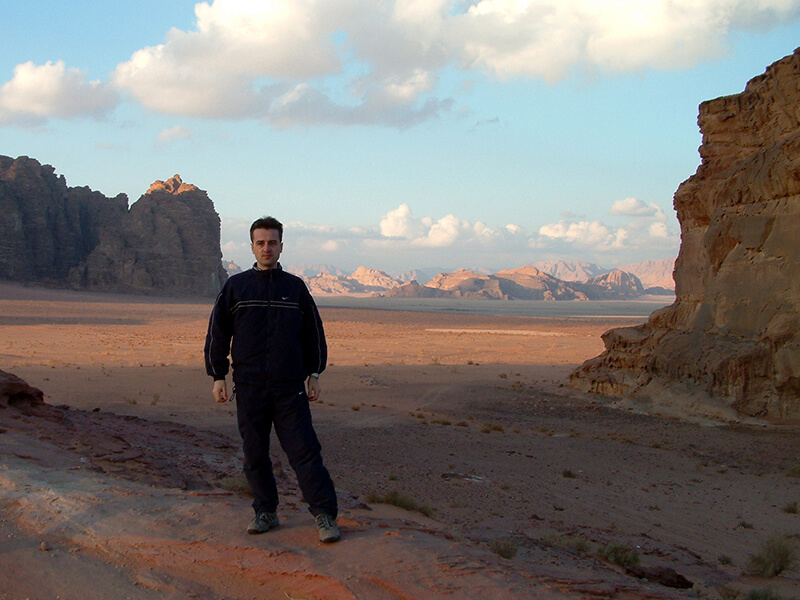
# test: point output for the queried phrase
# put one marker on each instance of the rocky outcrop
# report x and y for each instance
(654, 274)
(533, 284)
(46, 228)
(326, 284)
(733, 333)
(412, 289)
(616, 285)
(523, 283)
(14, 391)
(570, 270)
(168, 242)
(231, 268)
(373, 278)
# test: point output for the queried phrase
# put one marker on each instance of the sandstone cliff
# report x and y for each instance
(169, 243)
(733, 333)
(166, 243)
(46, 228)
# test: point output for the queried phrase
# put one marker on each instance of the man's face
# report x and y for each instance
(266, 247)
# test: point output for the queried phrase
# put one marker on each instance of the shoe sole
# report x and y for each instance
(330, 540)
(260, 531)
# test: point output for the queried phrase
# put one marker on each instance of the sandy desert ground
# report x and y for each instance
(127, 484)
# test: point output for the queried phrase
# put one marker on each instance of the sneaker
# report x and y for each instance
(328, 530)
(263, 522)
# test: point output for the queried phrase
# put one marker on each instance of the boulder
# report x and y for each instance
(15, 391)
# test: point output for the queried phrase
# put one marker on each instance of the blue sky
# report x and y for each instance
(393, 134)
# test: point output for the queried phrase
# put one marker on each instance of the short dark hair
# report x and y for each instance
(267, 223)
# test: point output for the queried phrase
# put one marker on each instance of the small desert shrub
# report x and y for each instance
(504, 547)
(764, 594)
(724, 559)
(395, 498)
(790, 508)
(620, 554)
(726, 593)
(568, 474)
(236, 484)
(777, 555)
(578, 544)
(572, 543)
(490, 427)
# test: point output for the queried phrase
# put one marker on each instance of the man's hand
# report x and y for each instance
(220, 391)
(313, 389)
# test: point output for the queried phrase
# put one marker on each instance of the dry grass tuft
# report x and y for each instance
(777, 555)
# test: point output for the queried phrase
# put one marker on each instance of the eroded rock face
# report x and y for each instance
(166, 243)
(734, 330)
(169, 242)
(46, 228)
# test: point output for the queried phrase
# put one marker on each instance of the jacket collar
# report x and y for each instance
(278, 270)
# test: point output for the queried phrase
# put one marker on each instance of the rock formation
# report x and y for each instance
(46, 228)
(654, 274)
(167, 242)
(616, 285)
(733, 333)
(373, 278)
(523, 283)
(570, 270)
(14, 390)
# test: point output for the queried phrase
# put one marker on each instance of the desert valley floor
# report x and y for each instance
(128, 485)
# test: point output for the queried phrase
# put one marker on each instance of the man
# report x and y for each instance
(268, 322)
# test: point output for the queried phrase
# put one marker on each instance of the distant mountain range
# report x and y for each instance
(546, 280)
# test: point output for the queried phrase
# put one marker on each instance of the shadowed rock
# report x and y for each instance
(167, 243)
(14, 390)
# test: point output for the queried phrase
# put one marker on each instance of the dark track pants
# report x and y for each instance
(258, 409)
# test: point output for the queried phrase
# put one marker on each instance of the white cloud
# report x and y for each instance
(301, 62)
(307, 62)
(39, 92)
(175, 133)
(548, 38)
(400, 223)
(633, 207)
(445, 232)
(585, 234)
(400, 242)
(658, 230)
(646, 231)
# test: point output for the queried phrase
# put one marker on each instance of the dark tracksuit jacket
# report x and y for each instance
(276, 329)
(268, 322)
